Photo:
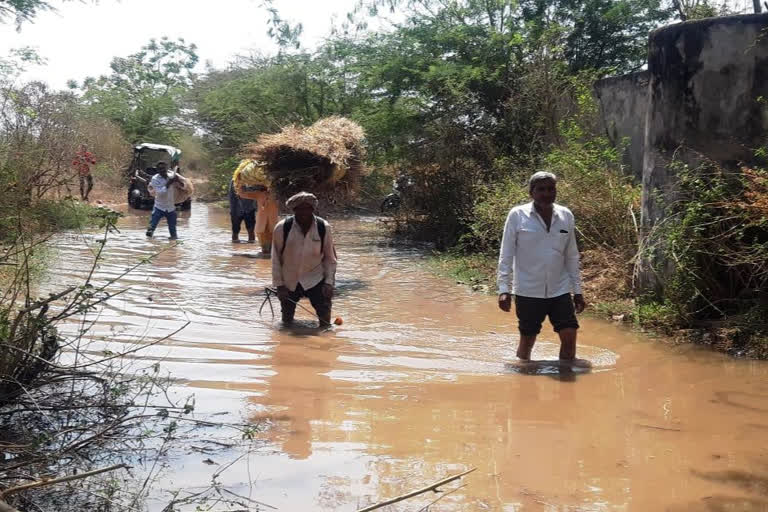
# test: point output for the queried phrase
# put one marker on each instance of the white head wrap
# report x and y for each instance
(301, 198)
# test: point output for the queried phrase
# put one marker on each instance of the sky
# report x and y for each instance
(81, 38)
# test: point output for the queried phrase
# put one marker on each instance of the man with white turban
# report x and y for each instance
(304, 259)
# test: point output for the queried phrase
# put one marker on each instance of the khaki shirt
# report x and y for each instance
(302, 262)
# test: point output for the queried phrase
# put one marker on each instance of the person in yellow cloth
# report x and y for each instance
(251, 182)
(267, 215)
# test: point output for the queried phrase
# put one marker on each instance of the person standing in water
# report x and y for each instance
(304, 259)
(267, 216)
(162, 187)
(241, 210)
(539, 253)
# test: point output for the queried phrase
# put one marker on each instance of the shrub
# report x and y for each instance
(490, 213)
(591, 182)
(712, 248)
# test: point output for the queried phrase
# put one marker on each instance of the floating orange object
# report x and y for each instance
(338, 321)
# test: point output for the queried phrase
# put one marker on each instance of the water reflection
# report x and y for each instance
(564, 371)
(420, 382)
(298, 393)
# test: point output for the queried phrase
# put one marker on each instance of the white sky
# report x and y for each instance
(81, 38)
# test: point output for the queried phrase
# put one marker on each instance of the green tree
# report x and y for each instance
(263, 94)
(22, 10)
(607, 35)
(145, 92)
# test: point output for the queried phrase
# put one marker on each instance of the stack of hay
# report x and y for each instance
(326, 158)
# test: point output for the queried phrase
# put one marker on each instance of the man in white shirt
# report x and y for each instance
(161, 186)
(539, 253)
(304, 259)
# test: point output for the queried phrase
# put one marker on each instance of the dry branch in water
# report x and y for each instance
(69, 417)
(411, 494)
(53, 481)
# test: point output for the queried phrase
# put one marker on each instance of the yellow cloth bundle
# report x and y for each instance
(249, 178)
(251, 173)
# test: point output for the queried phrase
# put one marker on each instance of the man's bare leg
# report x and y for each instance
(567, 344)
(525, 347)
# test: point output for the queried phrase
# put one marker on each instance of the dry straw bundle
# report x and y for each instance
(326, 158)
(184, 189)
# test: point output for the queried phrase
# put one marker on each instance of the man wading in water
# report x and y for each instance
(162, 187)
(539, 250)
(304, 259)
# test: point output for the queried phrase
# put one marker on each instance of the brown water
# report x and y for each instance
(416, 386)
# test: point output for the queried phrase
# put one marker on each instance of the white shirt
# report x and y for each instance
(543, 263)
(302, 262)
(165, 196)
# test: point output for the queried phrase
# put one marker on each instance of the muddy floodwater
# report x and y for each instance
(416, 385)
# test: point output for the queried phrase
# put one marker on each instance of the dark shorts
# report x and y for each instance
(532, 311)
(315, 295)
(237, 218)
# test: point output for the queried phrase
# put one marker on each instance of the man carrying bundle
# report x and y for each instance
(163, 187)
(304, 259)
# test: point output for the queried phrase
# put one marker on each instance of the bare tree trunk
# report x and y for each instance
(758, 7)
(678, 6)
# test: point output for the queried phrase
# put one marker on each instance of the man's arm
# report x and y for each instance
(277, 249)
(506, 255)
(506, 258)
(329, 257)
(572, 265)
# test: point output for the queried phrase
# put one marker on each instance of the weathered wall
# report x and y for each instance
(706, 81)
(623, 104)
(706, 84)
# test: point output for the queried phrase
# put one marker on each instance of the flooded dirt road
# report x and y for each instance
(415, 386)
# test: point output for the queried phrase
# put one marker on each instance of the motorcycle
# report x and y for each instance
(394, 200)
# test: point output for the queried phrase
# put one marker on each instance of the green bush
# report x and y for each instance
(66, 214)
(712, 248)
(661, 316)
(221, 176)
(490, 213)
(374, 186)
(591, 182)
(50, 216)
(594, 185)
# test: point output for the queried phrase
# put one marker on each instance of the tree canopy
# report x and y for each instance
(145, 91)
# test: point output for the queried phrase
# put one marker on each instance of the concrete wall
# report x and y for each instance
(706, 81)
(623, 104)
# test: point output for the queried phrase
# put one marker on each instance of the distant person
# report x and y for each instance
(241, 210)
(304, 259)
(539, 253)
(163, 187)
(82, 163)
(267, 216)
